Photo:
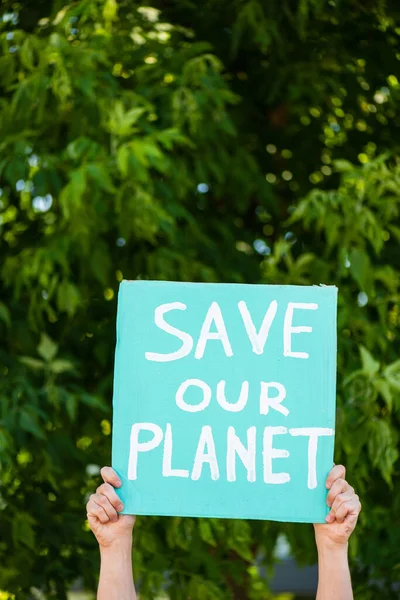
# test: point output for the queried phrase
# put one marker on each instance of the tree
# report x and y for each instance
(241, 143)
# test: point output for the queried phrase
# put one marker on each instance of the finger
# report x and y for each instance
(109, 492)
(109, 476)
(339, 500)
(338, 472)
(352, 508)
(347, 509)
(104, 502)
(96, 511)
(338, 487)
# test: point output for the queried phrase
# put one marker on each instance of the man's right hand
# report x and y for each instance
(103, 512)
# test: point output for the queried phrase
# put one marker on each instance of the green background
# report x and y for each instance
(242, 142)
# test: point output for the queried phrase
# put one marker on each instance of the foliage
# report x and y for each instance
(169, 142)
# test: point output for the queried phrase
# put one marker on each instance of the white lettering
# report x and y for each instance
(213, 314)
(313, 433)
(288, 329)
(258, 339)
(136, 447)
(276, 402)
(193, 407)
(246, 455)
(167, 469)
(187, 340)
(236, 406)
(269, 452)
(206, 440)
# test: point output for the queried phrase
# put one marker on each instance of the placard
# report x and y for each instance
(224, 399)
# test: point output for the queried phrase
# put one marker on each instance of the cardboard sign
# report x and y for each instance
(224, 399)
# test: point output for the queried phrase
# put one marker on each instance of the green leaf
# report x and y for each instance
(23, 530)
(360, 267)
(396, 231)
(29, 422)
(27, 53)
(101, 177)
(206, 533)
(68, 297)
(110, 10)
(121, 121)
(383, 388)
(47, 349)
(61, 366)
(343, 166)
(123, 156)
(6, 441)
(71, 195)
(32, 363)
(369, 365)
(71, 406)
(101, 264)
(93, 401)
(392, 374)
(5, 314)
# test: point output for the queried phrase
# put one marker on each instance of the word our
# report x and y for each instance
(266, 401)
(206, 452)
(214, 317)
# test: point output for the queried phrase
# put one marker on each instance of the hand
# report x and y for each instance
(102, 512)
(345, 507)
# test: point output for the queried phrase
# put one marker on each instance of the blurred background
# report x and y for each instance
(231, 141)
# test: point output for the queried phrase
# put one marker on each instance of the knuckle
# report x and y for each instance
(339, 483)
(342, 510)
(337, 487)
(339, 500)
(89, 503)
(104, 488)
(102, 500)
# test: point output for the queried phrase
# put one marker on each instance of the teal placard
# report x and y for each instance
(224, 399)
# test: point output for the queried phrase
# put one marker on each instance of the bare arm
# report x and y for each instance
(116, 578)
(114, 534)
(334, 581)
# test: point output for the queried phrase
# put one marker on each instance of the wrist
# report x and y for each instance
(326, 546)
(121, 545)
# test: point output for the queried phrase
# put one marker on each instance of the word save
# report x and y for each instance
(214, 318)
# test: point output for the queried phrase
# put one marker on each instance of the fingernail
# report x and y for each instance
(119, 482)
(329, 518)
(328, 485)
(120, 507)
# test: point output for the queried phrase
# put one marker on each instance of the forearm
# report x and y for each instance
(334, 581)
(116, 577)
